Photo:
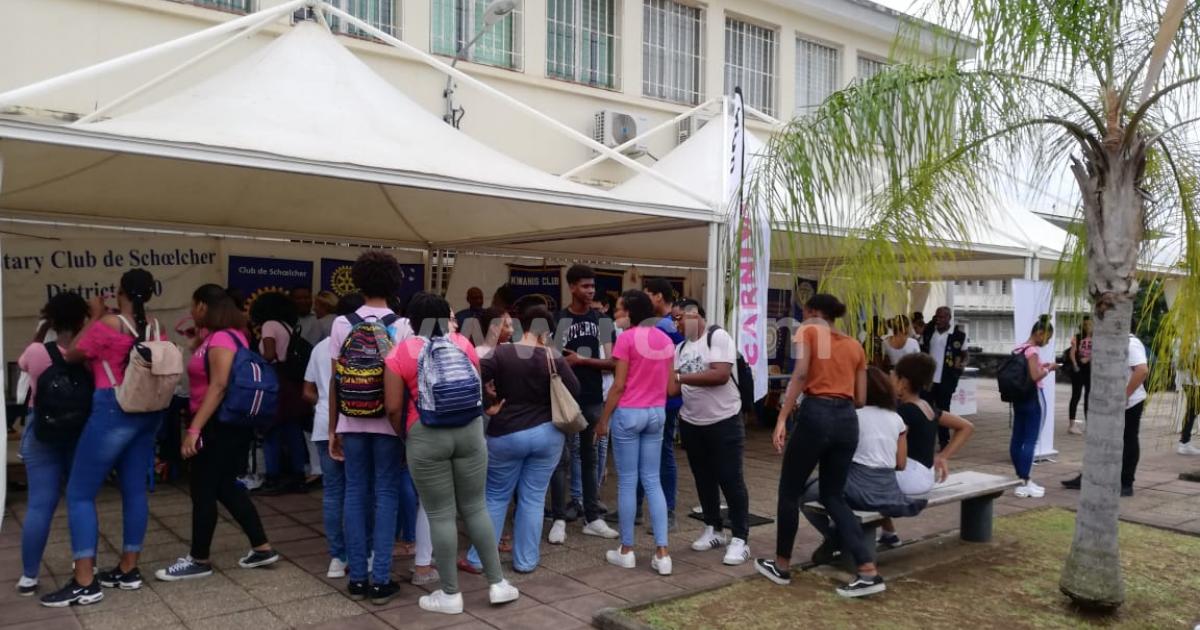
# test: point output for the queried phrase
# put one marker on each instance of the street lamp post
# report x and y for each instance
(496, 10)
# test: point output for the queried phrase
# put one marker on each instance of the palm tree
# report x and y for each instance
(906, 161)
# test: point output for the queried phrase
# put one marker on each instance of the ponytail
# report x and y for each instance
(138, 286)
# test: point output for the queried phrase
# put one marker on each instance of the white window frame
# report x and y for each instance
(374, 17)
(760, 85)
(868, 66)
(249, 6)
(669, 72)
(806, 90)
(444, 39)
(580, 59)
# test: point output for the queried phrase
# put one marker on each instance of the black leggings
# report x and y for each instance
(1081, 387)
(214, 478)
(715, 455)
(1132, 451)
(1189, 417)
(826, 433)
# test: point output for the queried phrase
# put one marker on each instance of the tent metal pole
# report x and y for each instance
(15, 97)
(3, 385)
(141, 89)
(628, 143)
(516, 103)
(713, 274)
(427, 277)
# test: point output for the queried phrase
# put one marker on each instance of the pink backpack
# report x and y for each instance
(152, 375)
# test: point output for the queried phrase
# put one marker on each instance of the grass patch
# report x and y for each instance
(1014, 585)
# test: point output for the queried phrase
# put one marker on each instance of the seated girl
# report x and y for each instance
(871, 481)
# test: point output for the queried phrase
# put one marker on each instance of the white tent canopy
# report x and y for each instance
(301, 138)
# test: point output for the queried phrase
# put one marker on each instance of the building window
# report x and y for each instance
(456, 22)
(818, 68)
(750, 63)
(381, 14)
(869, 67)
(672, 51)
(233, 6)
(581, 41)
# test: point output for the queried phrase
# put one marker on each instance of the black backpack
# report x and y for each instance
(1013, 379)
(64, 399)
(295, 363)
(743, 377)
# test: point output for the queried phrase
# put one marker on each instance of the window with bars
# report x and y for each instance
(233, 6)
(869, 67)
(382, 14)
(581, 41)
(672, 51)
(456, 22)
(818, 72)
(750, 63)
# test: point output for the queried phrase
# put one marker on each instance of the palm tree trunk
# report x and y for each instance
(1113, 205)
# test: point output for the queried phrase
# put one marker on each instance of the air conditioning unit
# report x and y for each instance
(613, 128)
(686, 127)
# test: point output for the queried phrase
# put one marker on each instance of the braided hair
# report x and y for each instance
(138, 286)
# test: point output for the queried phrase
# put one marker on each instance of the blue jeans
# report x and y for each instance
(637, 437)
(668, 471)
(527, 458)
(406, 514)
(1027, 425)
(286, 435)
(371, 458)
(111, 439)
(333, 500)
(46, 467)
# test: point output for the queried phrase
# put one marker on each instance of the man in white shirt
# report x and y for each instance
(711, 429)
(1136, 371)
(948, 347)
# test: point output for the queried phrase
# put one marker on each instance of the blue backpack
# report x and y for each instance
(449, 392)
(252, 394)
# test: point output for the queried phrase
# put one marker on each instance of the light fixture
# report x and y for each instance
(496, 10)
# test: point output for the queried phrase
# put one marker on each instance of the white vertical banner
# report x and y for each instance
(752, 228)
(1032, 299)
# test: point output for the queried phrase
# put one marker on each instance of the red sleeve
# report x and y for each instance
(95, 339)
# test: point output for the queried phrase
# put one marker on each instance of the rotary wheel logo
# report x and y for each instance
(254, 296)
(340, 281)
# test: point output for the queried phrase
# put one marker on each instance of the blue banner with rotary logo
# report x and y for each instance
(335, 276)
(253, 276)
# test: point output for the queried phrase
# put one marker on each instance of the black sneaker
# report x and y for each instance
(1073, 483)
(889, 540)
(73, 593)
(256, 559)
(863, 586)
(772, 572)
(1126, 491)
(184, 569)
(826, 553)
(116, 578)
(381, 594)
(357, 590)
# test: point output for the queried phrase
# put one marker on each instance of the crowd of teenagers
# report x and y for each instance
(505, 417)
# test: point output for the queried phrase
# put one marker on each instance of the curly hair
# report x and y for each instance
(66, 313)
(377, 274)
(917, 369)
(273, 306)
(429, 314)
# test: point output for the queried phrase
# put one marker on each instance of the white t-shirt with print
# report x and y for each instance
(1137, 356)
(879, 431)
(708, 405)
(318, 373)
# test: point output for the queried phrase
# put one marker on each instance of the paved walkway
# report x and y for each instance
(573, 581)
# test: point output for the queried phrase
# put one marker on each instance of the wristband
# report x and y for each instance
(192, 431)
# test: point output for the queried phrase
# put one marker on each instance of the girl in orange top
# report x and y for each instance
(831, 372)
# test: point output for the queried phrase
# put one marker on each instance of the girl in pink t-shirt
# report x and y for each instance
(46, 463)
(1028, 414)
(636, 405)
(213, 446)
(112, 439)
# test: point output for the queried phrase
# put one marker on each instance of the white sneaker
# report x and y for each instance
(1029, 491)
(623, 560)
(501, 593)
(439, 602)
(708, 540)
(600, 529)
(1036, 486)
(558, 533)
(337, 569)
(1187, 449)
(737, 553)
(662, 565)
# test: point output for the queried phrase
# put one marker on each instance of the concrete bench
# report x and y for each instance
(974, 491)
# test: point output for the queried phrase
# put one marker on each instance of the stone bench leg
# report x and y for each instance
(976, 519)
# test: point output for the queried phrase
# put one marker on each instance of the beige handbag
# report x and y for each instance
(564, 410)
(149, 384)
